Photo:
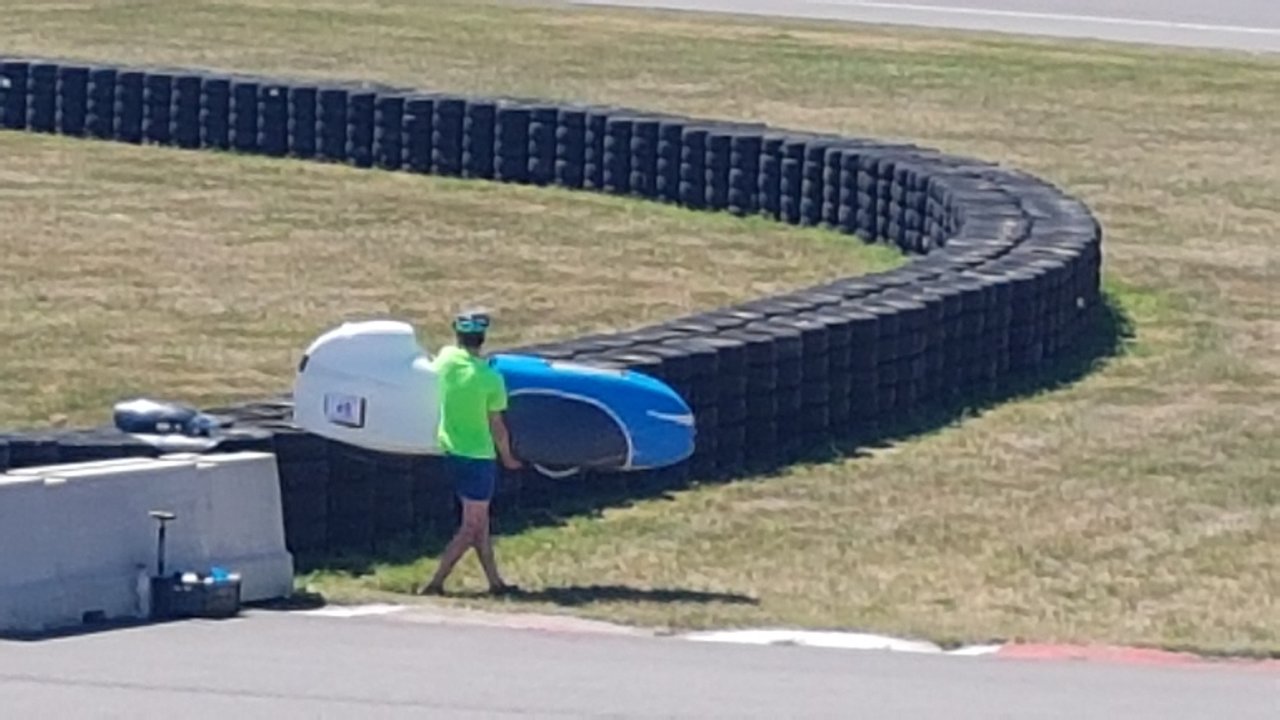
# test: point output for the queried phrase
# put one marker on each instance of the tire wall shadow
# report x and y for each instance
(528, 501)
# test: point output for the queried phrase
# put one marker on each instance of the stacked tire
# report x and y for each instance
(1003, 280)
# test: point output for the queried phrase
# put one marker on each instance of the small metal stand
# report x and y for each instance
(163, 518)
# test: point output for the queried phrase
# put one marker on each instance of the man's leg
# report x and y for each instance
(464, 538)
(477, 482)
(484, 550)
(462, 541)
(486, 484)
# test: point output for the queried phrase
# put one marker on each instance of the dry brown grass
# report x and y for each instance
(1138, 505)
(160, 272)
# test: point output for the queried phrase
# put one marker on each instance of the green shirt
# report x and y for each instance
(469, 390)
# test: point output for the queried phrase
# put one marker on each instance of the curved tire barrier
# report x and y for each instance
(1004, 274)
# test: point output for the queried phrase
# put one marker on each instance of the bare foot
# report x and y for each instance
(430, 589)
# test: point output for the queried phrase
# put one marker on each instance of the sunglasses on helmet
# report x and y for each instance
(471, 323)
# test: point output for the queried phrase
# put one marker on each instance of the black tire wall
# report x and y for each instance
(1004, 275)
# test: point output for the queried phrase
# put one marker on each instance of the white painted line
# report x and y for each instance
(1031, 15)
(350, 611)
(838, 640)
(443, 615)
(975, 650)
(568, 623)
(844, 641)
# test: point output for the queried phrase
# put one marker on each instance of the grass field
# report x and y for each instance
(147, 271)
(1139, 505)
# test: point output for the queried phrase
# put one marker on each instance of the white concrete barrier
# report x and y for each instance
(27, 587)
(246, 523)
(42, 470)
(75, 539)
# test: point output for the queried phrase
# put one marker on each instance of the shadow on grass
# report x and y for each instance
(300, 600)
(576, 595)
(530, 501)
(1105, 336)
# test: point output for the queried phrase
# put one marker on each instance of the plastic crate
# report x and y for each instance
(192, 596)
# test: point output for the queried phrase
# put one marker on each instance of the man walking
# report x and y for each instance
(472, 434)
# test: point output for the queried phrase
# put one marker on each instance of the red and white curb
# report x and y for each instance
(1130, 655)
(787, 637)
(1018, 651)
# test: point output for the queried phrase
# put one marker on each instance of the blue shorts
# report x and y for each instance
(472, 478)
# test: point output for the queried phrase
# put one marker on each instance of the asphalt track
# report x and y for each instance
(1247, 25)
(273, 665)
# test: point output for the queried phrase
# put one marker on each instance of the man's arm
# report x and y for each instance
(497, 425)
(503, 440)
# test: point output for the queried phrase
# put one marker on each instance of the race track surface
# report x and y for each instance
(1248, 25)
(274, 665)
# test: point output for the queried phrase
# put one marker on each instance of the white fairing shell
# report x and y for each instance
(369, 384)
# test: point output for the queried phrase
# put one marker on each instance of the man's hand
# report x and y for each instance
(503, 441)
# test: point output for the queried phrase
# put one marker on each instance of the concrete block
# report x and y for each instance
(28, 583)
(77, 538)
(246, 527)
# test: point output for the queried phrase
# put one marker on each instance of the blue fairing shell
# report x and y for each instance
(578, 415)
